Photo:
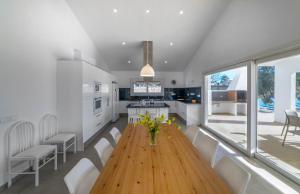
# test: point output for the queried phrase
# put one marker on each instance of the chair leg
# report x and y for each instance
(9, 175)
(55, 159)
(36, 164)
(64, 151)
(287, 129)
(75, 143)
(283, 127)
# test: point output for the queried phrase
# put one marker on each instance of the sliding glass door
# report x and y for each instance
(278, 123)
(226, 104)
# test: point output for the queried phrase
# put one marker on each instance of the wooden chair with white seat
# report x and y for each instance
(49, 134)
(192, 132)
(104, 150)
(115, 133)
(81, 178)
(207, 146)
(21, 148)
(233, 174)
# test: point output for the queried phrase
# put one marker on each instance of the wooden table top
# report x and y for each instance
(173, 166)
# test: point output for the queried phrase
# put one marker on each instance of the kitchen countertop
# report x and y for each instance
(148, 105)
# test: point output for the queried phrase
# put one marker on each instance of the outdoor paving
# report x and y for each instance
(269, 138)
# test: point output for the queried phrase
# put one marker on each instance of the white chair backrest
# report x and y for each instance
(233, 174)
(83, 173)
(207, 146)
(20, 137)
(104, 150)
(292, 117)
(191, 132)
(48, 127)
(115, 133)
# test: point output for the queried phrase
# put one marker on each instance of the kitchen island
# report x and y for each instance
(155, 110)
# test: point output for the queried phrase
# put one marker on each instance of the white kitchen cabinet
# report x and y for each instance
(172, 108)
(75, 99)
(188, 112)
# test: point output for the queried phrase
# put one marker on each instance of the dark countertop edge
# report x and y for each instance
(149, 106)
(163, 100)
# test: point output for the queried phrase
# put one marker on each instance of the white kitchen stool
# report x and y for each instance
(49, 134)
(21, 148)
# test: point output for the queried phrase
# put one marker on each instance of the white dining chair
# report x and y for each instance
(81, 178)
(21, 147)
(115, 133)
(49, 134)
(104, 150)
(207, 146)
(233, 174)
(192, 132)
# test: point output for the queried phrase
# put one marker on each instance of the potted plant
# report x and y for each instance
(153, 125)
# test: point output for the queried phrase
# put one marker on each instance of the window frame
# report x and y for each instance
(252, 120)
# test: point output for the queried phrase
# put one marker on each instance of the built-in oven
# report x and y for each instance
(97, 105)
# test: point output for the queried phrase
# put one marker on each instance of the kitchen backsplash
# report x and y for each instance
(170, 94)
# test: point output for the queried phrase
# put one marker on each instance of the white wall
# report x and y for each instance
(245, 29)
(34, 33)
(123, 78)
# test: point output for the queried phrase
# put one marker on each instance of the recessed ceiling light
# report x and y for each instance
(147, 11)
(115, 10)
(181, 12)
(129, 62)
(165, 62)
(123, 43)
(171, 43)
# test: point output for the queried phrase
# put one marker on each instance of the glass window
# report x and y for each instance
(140, 87)
(154, 87)
(278, 124)
(227, 104)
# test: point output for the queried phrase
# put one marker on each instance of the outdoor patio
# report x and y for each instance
(269, 138)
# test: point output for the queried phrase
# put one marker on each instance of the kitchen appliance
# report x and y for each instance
(97, 105)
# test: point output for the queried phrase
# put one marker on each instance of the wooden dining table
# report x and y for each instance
(173, 166)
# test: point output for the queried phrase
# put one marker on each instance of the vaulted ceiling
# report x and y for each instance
(119, 27)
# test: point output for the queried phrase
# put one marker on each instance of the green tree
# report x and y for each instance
(298, 86)
(265, 77)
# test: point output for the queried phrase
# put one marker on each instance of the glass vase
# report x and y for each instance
(152, 139)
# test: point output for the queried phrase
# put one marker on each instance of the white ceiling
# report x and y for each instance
(133, 25)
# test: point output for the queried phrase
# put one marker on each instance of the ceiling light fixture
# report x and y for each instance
(129, 62)
(123, 43)
(165, 62)
(181, 12)
(147, 70)
(115, 10)
(171, 43)
(147, 11)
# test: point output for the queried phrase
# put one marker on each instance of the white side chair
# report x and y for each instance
(233, 174)
(207, 146)
(81, 178)
(49, 134)
(192, 132)
(115, 133)
(104, 150)
(21, 148)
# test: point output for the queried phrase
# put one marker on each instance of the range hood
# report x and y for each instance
(147, 71)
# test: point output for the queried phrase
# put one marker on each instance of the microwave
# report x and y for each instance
(97, 105)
